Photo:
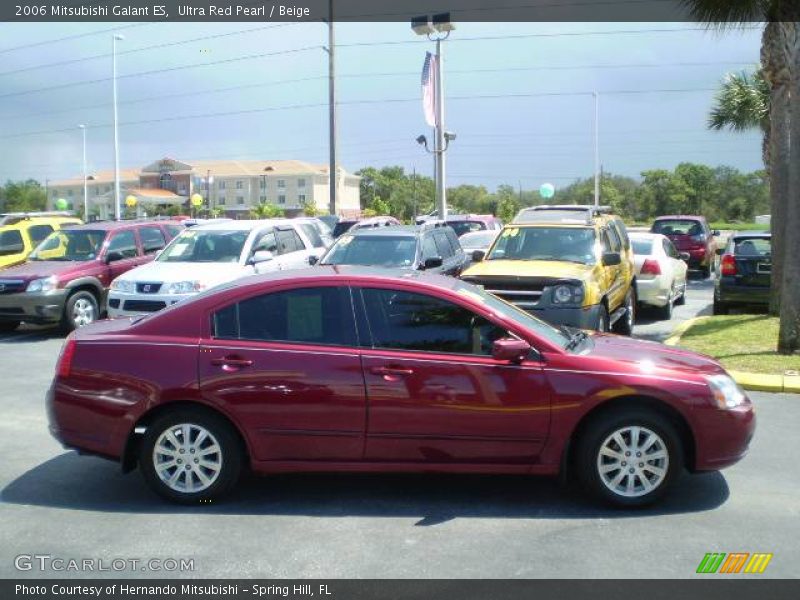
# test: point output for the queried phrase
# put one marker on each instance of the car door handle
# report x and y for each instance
(231, 363)
(391, 373)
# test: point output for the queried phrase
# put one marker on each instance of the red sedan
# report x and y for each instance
(339, 369)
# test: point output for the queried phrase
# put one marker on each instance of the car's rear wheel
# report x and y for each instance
(665, 312)
(190, 456)
(81, 310)
(8, 326)
(681, 300)
(624, 325)
(629, 457)
(705, 271)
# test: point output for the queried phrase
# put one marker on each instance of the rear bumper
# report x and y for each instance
(698, 257)
(37, 308)
(653, 292)
(730, 292)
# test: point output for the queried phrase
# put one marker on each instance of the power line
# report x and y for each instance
(72, 37)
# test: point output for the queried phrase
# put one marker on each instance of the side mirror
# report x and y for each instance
(113, 257)
(685, 256)
(611, 258)
(478, 255)
(719, 251)
(715, 232)
(433, 262)
(509, 349)
(312, 260)
(261, 256)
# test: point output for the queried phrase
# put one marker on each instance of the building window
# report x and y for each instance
(221, 185)
(301, 198)
(262, 199)
(301, 183)
(281, 198)
(281, 184)
(263, 183)
(221, 200)
(239, 185)
(239, 199)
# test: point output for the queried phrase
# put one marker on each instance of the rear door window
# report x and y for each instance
(152, 239)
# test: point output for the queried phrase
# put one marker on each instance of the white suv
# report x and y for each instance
(208, 255)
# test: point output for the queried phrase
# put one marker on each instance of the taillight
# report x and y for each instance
(64, 366)
(651, 267)
(728, 264)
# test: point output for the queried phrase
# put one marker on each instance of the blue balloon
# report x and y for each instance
(547, 190)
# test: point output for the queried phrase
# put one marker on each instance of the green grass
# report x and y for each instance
(741, 343)
(739, 226)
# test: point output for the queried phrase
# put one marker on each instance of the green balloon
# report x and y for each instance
(61, 204)
(547, 190)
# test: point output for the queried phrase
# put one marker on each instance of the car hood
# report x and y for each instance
(529, 268)
(170, 272)
(651, 356)
(36, 269)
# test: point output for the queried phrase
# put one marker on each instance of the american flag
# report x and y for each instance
(429, 89)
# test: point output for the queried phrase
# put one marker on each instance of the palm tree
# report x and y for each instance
(742, 103)
(780, 60)
(266, 211)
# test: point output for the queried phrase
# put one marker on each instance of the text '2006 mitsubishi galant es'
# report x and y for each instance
(354, 369)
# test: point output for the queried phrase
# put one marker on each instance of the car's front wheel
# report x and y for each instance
(190, 456)
(81, 310)
(624, 326)
(629, 457)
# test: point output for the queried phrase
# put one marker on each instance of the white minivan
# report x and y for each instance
(208, 255)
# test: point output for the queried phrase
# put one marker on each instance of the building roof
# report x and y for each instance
(153, 193)
(99, 177)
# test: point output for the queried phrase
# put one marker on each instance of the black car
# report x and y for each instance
(745, 271)
(432, 246)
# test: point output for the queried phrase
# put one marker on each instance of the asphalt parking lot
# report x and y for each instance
(56, 503)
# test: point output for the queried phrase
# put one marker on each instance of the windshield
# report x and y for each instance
(473, 241)
(70, 245)
(519, 316)
(677, 227)
(369, 250)
(199, 246)
(574, 244)
(462, 227)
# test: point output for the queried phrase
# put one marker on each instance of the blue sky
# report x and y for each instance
(530, 138)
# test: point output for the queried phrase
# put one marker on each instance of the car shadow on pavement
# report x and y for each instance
(73, 482)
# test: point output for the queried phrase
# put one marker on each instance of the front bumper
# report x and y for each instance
(583, 317)
(131, 305)
(722, 437)
(36, 308)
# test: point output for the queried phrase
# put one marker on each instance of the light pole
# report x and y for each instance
(85, 184)
(117, 207)
(596, 148)
(331, 49)
(437, 24)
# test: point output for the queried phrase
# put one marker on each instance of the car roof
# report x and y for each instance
(751, 234)
(392, 230)
(114, 225)
(241, 225)
(680, 218)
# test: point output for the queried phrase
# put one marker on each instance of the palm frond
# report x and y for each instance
(741, 103)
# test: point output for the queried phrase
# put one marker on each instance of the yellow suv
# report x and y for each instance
(569, 265)
(20, 233)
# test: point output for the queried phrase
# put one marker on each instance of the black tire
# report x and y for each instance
(720, 308)
(624, 325)
(596, 435)
(705, 272)
(229, 458)
(665, 312)
(681, 300)
(602, 320)
(70, 320)
(8, 326)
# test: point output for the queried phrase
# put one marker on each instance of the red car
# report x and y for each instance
(690, 234)
(66, 279)
(354, 369)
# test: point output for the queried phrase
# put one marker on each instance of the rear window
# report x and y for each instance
(462, 227)
(677, 227)
(642, 247)
(11, 242)
(752, 247)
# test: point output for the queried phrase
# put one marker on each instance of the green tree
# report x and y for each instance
(265, 210)
(507, 203)
(309, 208)
(22, 196)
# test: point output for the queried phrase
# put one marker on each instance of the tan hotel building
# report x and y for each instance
(236, 187)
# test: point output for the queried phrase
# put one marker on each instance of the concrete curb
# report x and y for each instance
(756, 382)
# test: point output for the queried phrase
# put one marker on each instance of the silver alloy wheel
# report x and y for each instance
(633, 461)
(83, 312)
(187, 458)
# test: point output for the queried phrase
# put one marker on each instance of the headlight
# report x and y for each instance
(45, 284)
(567, 294)
(185, 287)
(123, 286)
(726, 392)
